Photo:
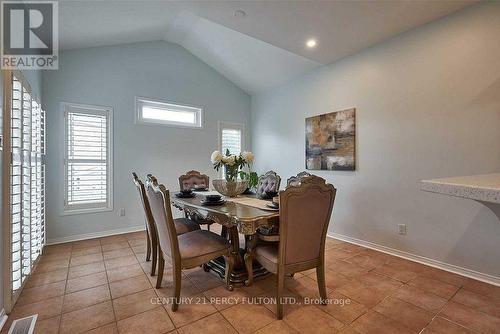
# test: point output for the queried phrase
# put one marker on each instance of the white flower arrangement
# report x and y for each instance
(231, 162)
(216, 157)
(247, 156)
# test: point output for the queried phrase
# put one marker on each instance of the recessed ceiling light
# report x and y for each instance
(311, 43)
(239, 13)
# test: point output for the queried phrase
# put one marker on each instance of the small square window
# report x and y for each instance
(158, 112)
(231, 137)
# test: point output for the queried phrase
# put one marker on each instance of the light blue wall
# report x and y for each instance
(113, 76)
(428, 106)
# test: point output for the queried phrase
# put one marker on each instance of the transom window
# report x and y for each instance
(88, 168)
(149, 111)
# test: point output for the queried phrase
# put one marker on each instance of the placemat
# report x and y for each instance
(253, 202)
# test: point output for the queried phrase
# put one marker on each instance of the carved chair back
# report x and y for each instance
(305, 213)
(270, 181)
(148, 216)
(159, 200)
(193, 179)
(294, 181)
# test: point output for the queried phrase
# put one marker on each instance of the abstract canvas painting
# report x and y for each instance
(331, 140)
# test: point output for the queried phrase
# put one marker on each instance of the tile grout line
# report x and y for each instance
(390, 295)
(449, 300)
(467, 306)
(109, 289)
(151, 284)
(66, 285)
(67, 279)
(178, 327)
(372, 270)
(229, 322)
(437, 312)
(62, 313)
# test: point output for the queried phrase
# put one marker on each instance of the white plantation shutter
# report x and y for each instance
(16, 183)
(27, 182)
(37, 181)
(231, 136)
(26, 185)
(231, 140)
(88, 176)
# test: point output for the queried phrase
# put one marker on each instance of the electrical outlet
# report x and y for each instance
(402, 229)
(122, 212)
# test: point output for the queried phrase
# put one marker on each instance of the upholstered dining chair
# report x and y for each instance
(187, 250)
(294, 181)
(182, 225)
(268, 182)
(305, 213)
(193, 179)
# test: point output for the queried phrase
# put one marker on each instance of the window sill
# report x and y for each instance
(71, 212)
(168, 124)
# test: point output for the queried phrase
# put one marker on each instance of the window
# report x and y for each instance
(165, 113)
(87, 164)
(231, 137)
(23, 181)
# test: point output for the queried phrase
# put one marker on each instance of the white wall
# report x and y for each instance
(113, 76)
(428, 106)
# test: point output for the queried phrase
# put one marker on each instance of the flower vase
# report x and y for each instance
(231, 173)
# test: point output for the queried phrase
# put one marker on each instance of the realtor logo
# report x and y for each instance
(29, 35)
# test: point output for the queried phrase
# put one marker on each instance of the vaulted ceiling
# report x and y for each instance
(258, 45)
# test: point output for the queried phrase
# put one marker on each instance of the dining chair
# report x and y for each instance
(182, 225)
(268, 182)
(192, 180)
(187, 250)
(294, 181)
(305, 212)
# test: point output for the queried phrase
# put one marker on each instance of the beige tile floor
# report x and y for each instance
(103, 286)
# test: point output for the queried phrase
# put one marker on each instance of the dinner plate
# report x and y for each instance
(272, 206)
(208, 203)
(181, 195)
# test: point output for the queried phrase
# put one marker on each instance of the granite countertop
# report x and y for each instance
(484, 188)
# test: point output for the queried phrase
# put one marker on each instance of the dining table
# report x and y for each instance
(244, 214)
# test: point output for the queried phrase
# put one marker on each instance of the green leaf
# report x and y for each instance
(253, 179)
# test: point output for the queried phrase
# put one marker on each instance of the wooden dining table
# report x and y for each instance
(235, 217)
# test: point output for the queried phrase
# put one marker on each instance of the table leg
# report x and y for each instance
(223, 232)
(249, 254)
(235, 245)
(242, 271)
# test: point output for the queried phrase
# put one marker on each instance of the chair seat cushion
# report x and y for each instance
(203, 221)
(267, 255)
(184, 225)
(201, 243)
(268, 251)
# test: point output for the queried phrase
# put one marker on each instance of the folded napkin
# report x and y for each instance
(205, 193)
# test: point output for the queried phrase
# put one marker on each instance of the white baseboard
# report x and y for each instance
(420, 259)
(392, 251)
(3, 318)
(78, 237)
